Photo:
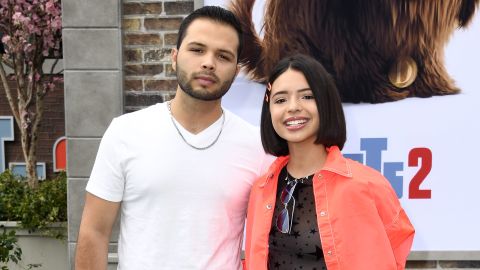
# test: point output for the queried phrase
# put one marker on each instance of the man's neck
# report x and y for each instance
(193, 114)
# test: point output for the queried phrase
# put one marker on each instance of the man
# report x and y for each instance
(180, 171)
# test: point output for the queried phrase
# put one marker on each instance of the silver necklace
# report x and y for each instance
(169, 106)
(289, 178)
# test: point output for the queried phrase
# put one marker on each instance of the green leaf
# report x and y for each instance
(34, 208)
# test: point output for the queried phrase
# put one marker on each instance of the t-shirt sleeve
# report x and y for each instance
(107, 178)
(263, 160)
(265, 163)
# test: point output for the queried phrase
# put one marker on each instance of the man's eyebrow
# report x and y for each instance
(195, 43)
(227, 52)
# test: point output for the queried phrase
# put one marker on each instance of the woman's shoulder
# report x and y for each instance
(269, 175)
(378, 184)
(261, 181)
(362, 168)
(366, 173)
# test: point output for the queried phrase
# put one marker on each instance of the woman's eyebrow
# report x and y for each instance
(285, 91)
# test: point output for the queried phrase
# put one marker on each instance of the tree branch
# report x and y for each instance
(8, 92)
(18, 63)
(8, 63)
(29, 87)
(54, 65)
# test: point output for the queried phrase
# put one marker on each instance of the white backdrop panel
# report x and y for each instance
(447, 127)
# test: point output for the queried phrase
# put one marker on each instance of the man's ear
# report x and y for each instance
(174, 58)
(238, 70)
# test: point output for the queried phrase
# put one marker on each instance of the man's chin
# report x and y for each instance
(204, 95)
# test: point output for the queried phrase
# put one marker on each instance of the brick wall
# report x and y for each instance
(149, 33)
(51, 128)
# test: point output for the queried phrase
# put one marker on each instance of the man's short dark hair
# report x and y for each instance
(214, 13)
(332, 128)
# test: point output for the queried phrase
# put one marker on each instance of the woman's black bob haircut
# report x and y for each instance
(332, 129)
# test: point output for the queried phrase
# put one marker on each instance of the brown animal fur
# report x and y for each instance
(358, 41)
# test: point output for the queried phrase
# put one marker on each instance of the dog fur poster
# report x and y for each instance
(377, 51)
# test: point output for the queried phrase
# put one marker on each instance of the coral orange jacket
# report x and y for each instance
(361, 222)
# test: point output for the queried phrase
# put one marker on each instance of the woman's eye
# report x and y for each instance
(279, 100)
(308, 97)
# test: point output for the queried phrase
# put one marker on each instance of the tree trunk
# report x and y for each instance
(32, 177)
(27, 123)
(31, 158)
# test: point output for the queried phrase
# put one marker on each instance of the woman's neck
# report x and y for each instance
(305, 159)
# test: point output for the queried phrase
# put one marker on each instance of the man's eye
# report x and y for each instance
(224, 57)
(196, 50)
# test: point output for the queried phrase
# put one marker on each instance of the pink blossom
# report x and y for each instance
(56, 23)
(51, 8)
(35, 30)
(17, 17)
(28, 48)
(57, 79)
(31, 27)
(50, 5)
(6, 39)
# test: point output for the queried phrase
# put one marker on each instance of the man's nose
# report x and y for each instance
(208, 62)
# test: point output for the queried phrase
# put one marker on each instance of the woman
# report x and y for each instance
(316, 209)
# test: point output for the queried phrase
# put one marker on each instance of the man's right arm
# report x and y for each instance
(98, 218)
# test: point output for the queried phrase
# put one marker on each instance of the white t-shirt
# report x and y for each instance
(182, 208)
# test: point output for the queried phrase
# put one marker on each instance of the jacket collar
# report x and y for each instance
(335, 163)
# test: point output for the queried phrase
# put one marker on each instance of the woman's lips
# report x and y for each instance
(295, 123)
